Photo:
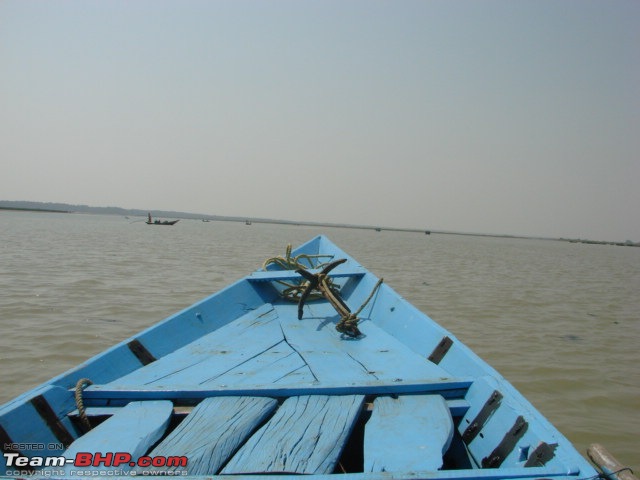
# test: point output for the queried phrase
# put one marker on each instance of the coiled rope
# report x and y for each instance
(82, 413)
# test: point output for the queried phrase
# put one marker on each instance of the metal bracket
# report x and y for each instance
(441, 350)
(541, 455)
(485, 413)
(506, 446)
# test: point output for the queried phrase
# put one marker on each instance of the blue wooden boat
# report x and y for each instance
(309, 365)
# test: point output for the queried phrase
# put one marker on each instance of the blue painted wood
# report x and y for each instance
(475, 474)
(213, 354)
(449, 388)
(279, 365)
(306, 435)
(458, 407)
(334, 357)
(408, 433)
(388, 359)
(20, 419)
(319, 344)
(134, 429)
(275, 275)
(499, 423)
(212, 432)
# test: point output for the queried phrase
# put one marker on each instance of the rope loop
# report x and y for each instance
(81, 385)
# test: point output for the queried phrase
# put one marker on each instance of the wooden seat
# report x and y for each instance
(407, 433)
(306, 435)
(133, 429)
(212, 432)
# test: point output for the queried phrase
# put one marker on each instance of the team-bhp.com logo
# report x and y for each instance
(96, 464)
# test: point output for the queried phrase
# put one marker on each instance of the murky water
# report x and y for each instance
(560, 321)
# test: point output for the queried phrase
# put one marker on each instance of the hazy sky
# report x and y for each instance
(517, 117)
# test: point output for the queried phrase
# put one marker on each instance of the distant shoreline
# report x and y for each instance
(49, 207)
(21, 209)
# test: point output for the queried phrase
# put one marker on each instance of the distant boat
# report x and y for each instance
(248, 222)
(151, 221)
(205, 220)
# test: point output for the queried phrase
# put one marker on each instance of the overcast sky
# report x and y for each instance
(516, 117)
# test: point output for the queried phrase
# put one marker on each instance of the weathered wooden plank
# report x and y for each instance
(447, 387)
(493, 428)
(320, 345)
(408, 433)
(458, 407)
(333, 357)
(212, 432)
(134, 429)
(214, 354)
(609, 465)
(470, 474)
(385, 357)
(280, 364)
(275, 275)
(306, 435)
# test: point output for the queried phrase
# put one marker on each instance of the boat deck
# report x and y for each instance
(305, 428)
(275, 394)
(270, 346)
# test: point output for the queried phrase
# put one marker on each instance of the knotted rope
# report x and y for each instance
(348, 324)
(81, 385)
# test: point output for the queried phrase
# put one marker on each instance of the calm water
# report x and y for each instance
(560, 321)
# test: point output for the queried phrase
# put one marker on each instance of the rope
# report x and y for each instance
(81, 385)
(348, 324)
(605, 476)
(375, 289)
(293, 291)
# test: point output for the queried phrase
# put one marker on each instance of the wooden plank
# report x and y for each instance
(447, 387)
(333, 357)
(385, 357)
(306, 435)
(320, 345)
(212, 432)
(214, 354)
(408, 433)
(134, 429)
(609, 465)
(280, 365)
(494, 426)
(283, 275)
(470, 474)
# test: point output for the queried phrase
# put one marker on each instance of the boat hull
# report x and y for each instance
(304, 397)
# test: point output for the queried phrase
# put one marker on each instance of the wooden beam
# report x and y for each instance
(274, 275)
(447, 387)
(611, 467)
(472, 474)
